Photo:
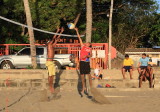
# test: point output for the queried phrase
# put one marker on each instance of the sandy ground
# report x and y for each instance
(70, 101)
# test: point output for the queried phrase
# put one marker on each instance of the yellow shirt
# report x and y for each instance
(128, 62)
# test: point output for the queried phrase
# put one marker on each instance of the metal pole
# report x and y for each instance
(110, 35)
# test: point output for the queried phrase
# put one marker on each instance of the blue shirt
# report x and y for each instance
(87, 59)
(144, 61)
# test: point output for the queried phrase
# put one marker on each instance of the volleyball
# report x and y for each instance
(71, 26)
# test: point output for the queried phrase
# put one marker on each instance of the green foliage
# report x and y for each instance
(155, 32)
(131, 22)
(46, 15)
(135, 23)
(101, 28)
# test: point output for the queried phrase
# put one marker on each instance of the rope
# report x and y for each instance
(18, 100)
(66, 35)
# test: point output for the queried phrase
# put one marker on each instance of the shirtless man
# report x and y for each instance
(50, 56)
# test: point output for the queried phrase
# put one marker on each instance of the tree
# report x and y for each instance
(154, 33)
(31, 34)
(138, 15)
(89, 20)
(127, 14)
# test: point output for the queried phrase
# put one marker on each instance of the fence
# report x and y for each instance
(99, 50)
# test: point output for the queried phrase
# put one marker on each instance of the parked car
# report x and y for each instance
(22, 59)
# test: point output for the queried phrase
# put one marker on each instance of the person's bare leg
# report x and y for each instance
(90, 80)
(150, 81)
(140, 81)
(83, 83)
(123, 73)
(144, 74)
(131, 73)
(50, 80)
(139, 70)
(141, 76)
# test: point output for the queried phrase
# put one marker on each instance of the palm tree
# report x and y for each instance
(31, 34)
(89, 20)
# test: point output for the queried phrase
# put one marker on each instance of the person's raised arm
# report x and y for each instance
(79, 36)
(56, 32)
(56, 39)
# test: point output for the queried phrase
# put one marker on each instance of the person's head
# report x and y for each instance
(88, 44)
(126, 56)
(149, 66)
(144, 55)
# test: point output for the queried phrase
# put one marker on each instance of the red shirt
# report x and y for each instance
(84, 52)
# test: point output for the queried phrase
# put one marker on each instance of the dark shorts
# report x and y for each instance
(143, 67)
(127, 68)
(84, 67)
(100, 76)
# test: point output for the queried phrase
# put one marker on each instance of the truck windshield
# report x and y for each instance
(26, 51)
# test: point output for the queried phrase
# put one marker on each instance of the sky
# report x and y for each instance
(159, 5)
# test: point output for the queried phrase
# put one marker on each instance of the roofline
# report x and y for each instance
(142, 52)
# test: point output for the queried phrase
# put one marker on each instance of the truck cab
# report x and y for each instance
(22, 59)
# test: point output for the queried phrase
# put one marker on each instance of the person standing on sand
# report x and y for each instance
(85, 54)
(50, 56)
(127, 66)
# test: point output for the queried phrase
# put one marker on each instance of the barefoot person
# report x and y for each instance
(127, 66)
(149, 75)
(49, 62)
(142, 66)
(85, 54)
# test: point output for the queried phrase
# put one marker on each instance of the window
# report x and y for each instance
(25, 52)
(40, 51)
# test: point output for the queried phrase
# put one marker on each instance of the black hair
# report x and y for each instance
(126, 55)
(149, 65)
(144, 54)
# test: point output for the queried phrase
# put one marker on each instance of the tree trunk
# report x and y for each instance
(89, 20)
(31, 34)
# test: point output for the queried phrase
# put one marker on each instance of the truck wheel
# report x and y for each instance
(7, 65)
(57, 67)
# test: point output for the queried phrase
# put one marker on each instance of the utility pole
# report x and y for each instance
(31, 34)
(110, 36)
